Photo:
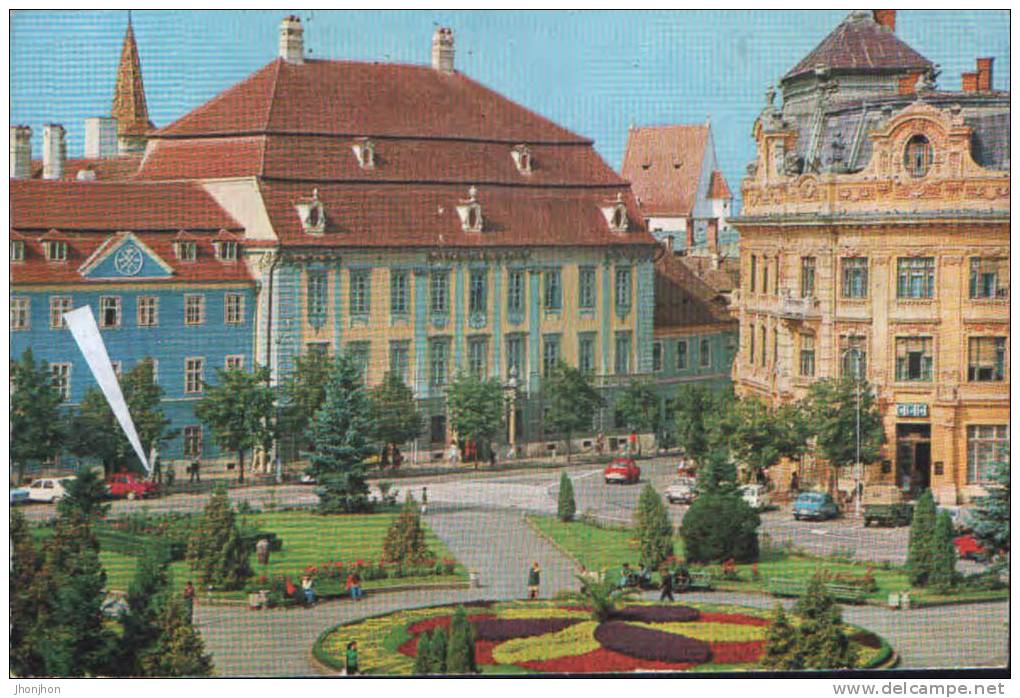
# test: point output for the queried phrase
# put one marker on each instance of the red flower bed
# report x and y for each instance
(409, 648)
(657, 614)
(439, 622)
(734, 619)
(500, 629)
(737, 652)
(655, 645)
(601, 660)
(483, 651)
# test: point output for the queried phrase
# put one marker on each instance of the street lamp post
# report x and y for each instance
(511, 389)
(856, 355)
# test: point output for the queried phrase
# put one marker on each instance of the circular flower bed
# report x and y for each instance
(547, 637)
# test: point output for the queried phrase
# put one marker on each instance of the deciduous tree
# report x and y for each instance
(395, 415)
(303, 393)
(571, 400)
(476, 409)
(639, 406)
(36, 426)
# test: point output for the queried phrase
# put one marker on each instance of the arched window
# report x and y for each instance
(918, 156)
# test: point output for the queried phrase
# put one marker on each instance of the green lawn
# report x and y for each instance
(607, 548)
(308, 540)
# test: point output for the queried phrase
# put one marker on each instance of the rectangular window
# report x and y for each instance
(750, 345)
(989, 277)
(752, 277)
(478, 356)
(360, 298)
(226, 250)
(398, 293)
(234, 362)
(515, 357)
(58, 306)
(233, 305)
(56, 250)
(477, 287)
(186, 250)
(764, 274)
(109, 311)
(550, 353)
(553, 290)
(17, 251)
(359, 353)
(318, 348)
(807, 277)
(987, 446)
(855, 277)
(61, 375)
(148, 311)
(586, 352)
(915, 277)
(681, 355)
(439, 358)
(986, 359)
(807, 355)
(515, 291)
(914, 358)
(400, 359)
(586, 288)
(622, 290)
(764, 343)
(439, 292)
(194, 375)
(853, 357)
(656, 356)
(194, 309)
(192, 441)
(621, 358)
(318, 298)
(704, 353)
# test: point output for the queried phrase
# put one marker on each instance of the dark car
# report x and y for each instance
(622, 471)
(815, 505)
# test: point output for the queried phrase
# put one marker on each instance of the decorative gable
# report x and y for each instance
(122, 257)
(616, 215)
(470, 212)
(312, 214)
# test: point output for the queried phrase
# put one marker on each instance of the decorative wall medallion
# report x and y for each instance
(477, 320)
(128, 261)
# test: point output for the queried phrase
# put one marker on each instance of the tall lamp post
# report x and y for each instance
(511, 392)
(855, 357)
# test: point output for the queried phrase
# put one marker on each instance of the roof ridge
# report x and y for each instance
(272, 94)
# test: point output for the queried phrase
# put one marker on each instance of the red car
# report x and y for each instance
(130, 486)
(622, 470)
(968, 548)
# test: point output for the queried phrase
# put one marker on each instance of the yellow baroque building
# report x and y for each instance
(875, 238)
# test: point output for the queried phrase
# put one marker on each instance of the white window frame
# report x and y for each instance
(17, 251)
(142, 311)
(117, 305)
(21, 313)
(236, 359)
(226, 250)
(56, 250)
(61, 375)
(233, 316)
(189, 298)
(192, 434)
(194, 374)
(58, 306)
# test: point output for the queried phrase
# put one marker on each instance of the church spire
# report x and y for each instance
(129, 108)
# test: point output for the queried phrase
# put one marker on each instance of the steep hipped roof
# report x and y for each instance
(349, 98)
(106, 169)
(682, 298)
(860, 44)
(129, 107)
(663, 164)
(717, 187)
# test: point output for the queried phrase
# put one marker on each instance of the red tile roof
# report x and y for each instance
(106, 169)
(682, 298)
(425, 215)
(203, 158)
(859, 43)
(112, 206)
(663, 164)
(366, 99)
(717, 187)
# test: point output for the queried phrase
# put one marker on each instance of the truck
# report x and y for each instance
(884, 506)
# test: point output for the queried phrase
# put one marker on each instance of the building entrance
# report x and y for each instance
(437, 429)
(913, 458)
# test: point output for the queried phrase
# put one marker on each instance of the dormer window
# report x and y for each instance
(364, 150)
(56, 250)
(470, 212)
(522, 158)
(185, 250)
(226, 250)
(616, 215)
(918, 156)
(312, 214)
(17, 250)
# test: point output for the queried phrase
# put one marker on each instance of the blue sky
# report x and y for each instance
(593, 72)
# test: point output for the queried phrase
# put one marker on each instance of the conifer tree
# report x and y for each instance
(922, 536)
(990, 517)
(405, 538)
(942, 575)
(215, 548)
(653, 528)
(460, 652)
(28, 600)
(822, 642)
(566, 507)
(423, 655)
(178, 650)
(781, 651)
(437, 651)
(146, 597)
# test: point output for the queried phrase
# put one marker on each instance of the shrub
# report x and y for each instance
(720, 526)
(781, 651)
(565, 506)
(922, 539)
(822, 642)
(437, 644)
(460, 653)
(423, 656)
(653, 528)
(216, 549)
(943, 575)
(405, 538)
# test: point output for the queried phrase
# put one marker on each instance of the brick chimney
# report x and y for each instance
(21, 152)
(969, 82)
(886, 18)
(442, 50)
(54, 151)
(984, 74)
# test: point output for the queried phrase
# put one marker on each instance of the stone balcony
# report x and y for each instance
(790, 308)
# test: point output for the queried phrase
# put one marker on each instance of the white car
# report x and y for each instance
(755, 496)
(682, 491)
(48, 489)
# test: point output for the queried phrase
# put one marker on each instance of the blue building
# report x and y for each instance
(160, 264)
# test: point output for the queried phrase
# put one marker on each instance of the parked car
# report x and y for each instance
(19, 495)
(884, 505)
(622, 470)
(968, 548)
(815, 505)
(755, 496)
(682, 491)
(48, 489)
(130, 486)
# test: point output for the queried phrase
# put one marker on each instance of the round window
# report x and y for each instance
(918, 156)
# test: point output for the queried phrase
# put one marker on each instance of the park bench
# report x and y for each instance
(784, 586)
(701, 580)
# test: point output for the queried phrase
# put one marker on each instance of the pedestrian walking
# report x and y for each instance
(667, 585)
(351, 664)
(633, 443)
(171, 475)
(492, 456)
(424, 500)
(262, 551)
(795, 482)
(452, 454)
(398, 457)
(534, 579)
(193, 471)
(189, 600)
(157, 470)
